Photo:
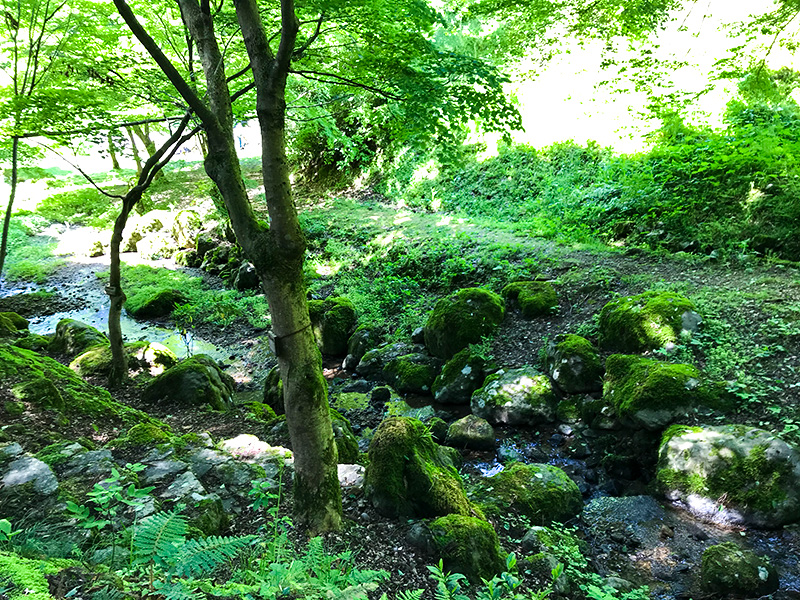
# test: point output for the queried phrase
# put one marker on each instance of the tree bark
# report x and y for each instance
(135, 151)
(12, 196)
(112, 150)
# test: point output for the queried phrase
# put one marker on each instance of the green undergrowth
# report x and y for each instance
(29, 258)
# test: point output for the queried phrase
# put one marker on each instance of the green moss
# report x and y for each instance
(19, 323)
(410, 374)
(33, 341)
(541, 492)
(409, 474)
(210, 517)
(346, 442)
(29, 371)
(462, 319)
(535, 298)
(73, 337)
(27, 577)
(261, 411)
(14, 409)
(146, 434)
(350, 401)
(7, 328)
(677, 430)
(194, 381)
(273, 390)
(40, 392)
(55, 454)
(468, 545)
(333, 320)
(644, 322)
(633, 383)
(97, 360)
(151, 304)
(728, 569)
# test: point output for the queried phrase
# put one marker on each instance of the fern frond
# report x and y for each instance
(157, 538)
(197, 557)
(178, 589)
(410, 595)
(316, 556)
(108, 593)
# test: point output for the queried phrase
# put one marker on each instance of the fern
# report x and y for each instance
(410, 595)
(157, 538)
(107, 593)
(178, 589)
(201, 556)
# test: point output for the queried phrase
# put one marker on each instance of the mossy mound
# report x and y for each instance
(196, 381)
(333, 321)
(460, 377)
(574, 365)
(462, 319)
(728, 569)
(45, 383)
(410, 475)
(515, 397)
(26, 578)
(372, 363)
(73, 337)
(346, 442)
(471, 433)
(541, 492)
(19, 323)
(645, 322)
(648, 393)
(34, 341)
(468, 545)
(731, 473)
(412, 373)
(273, 390)
(145, 434)
(534, 298)
(152, 357)
(364, 338)
(154, 304)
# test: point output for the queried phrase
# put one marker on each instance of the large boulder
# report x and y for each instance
(73, 337)
(154, 304)
(731, 473)
(534, 298)
(410, 475)
(515, 397)
(460, 377)
(541, 492)
(646, 322)
(472, 433)
(333, 321)
(141, 356)
(728, 569)
(185, 228)
(573, 365)
(462, 319)
(364, 338)
(467, 545)
(372, 362)
(195, 381)
(28, 485)
(648, 393)
(412, 373)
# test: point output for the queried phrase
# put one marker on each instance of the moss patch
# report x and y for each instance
(333, 321)
(411, 374)
(152, 304)
(728, 569)
(534, 298)
(468, 545)
(28, 576)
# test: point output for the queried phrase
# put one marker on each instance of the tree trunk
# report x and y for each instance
(143, 132)
(135, 151)
(112, 150)
(12, 196)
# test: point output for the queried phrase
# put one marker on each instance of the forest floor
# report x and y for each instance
(750, 338)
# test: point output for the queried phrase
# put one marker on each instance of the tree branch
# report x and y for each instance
(333, 78)
(299, 52)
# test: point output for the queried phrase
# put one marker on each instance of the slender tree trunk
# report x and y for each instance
(135, 151)
(12, 196)
(143, 132)
(112, 150)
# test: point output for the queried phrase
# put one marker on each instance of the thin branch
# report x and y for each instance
(81, 171)
(333, 78)
(299, 52)
(235, 96)
(238, 73)
(90, 129)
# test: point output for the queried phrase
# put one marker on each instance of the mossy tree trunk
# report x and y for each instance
(276, 250)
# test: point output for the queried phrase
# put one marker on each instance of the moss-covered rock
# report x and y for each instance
(534, 298)
(462, 319)
(364, 338)
(573, 365)
(195, 381)
(20, 323)
(460, 377)
(185, 227)
(646, 322)
(412, 373)
(515, 397)
(648, 393)
(410, 475)
(142, 356)
(372, 363)
(145, 434)
(73, 337)
(261, 411)
(273, 390)
(333, 321)
(731, 473)
(153, 304)
(34, 341)
(541, 492)
(472, 433)
(46, 383)
(729, 569)
(349, 401)
(346, 442)
(468, 545)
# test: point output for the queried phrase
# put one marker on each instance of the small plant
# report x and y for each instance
(6, 531)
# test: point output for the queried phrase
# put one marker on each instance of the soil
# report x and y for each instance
(381, 543)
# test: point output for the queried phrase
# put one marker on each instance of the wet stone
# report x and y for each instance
(163, 469)
(92, 462)
(27, 469)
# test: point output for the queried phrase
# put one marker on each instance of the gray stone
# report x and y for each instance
(10, 450)
(246, 278)
(637, 520)
(460, 377)
(574, 365)
(186, 485)
(203, 460)
(27, 469)
(471, 433)
(91, 463)
(351, 477)
(163, 469)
